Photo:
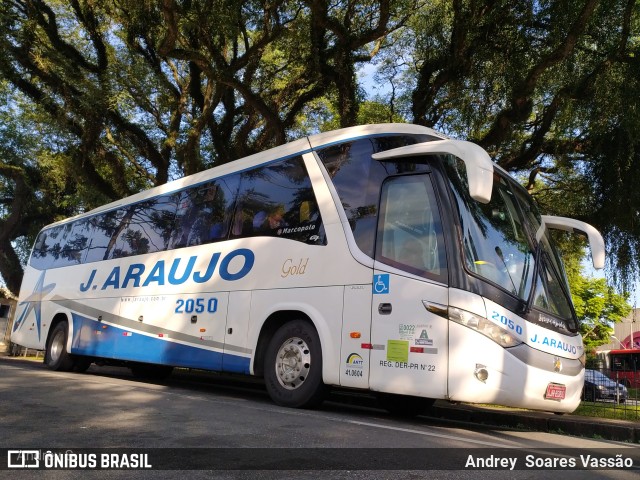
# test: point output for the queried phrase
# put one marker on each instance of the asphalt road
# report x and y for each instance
(107, 408)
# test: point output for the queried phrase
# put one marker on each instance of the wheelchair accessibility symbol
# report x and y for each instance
(381, 284)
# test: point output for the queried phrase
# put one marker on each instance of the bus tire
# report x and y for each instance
(56, 356)
(404, 405)
(293, 366)
(81, 363)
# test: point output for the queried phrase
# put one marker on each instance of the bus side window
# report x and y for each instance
(76, 241)
(50, 244)
(41, 258)
(105, 226)
(277, 200)
(238, 220)
(146, 227)
(204, 212)
(221, 210)
(619, 363)
(305, 211)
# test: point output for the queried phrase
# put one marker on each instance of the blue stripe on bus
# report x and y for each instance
(92, 339)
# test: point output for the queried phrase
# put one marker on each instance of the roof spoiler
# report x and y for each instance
(477, 161)
(576, 226)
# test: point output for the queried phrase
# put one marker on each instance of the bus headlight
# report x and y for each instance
(485, 327)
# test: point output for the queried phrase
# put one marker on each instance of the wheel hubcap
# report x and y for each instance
(57, 345)
(292, 363)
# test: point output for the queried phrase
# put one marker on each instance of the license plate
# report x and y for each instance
(555, 392)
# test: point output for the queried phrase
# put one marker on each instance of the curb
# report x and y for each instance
(576, 425)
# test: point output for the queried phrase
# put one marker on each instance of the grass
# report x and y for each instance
(609, 410)
(624, 411)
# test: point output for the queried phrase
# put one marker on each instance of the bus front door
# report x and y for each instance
(409, 342)
(409, 328)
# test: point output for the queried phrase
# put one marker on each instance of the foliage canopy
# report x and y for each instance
(103, 99)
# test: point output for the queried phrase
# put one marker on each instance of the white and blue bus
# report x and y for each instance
(387, 258)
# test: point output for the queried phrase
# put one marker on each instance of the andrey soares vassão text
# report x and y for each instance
(531, 461)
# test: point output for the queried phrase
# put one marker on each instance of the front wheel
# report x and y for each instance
(56, 356)
(293, 366)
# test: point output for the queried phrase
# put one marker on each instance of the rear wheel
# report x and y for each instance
(56, 356)
(293, 366)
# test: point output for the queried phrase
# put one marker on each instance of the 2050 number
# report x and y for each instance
(196, 305)
(507, 322)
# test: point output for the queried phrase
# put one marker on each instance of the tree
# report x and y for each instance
(597, 305)
(128, 94)
(547, 88)
(33, 189)
(142, 92)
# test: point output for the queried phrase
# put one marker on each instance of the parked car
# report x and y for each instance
(597, 386)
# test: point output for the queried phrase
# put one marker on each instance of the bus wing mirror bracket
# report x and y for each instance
(576, 226)
(477, 161)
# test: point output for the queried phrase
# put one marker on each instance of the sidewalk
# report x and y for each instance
(501, 417)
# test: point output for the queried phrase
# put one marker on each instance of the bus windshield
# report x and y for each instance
(498, 246)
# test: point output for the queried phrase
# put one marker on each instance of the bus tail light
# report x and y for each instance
(483, 326)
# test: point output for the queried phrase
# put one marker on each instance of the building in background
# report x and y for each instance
(626, 336)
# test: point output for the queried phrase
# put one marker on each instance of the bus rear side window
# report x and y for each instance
(204, 212)
(277, 200)
(271, 200)
(146, 227)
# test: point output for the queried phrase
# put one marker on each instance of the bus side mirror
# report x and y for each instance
(40, 241)
(477, 161)
(576, 226)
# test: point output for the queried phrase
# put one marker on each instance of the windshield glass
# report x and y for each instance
(498, 245)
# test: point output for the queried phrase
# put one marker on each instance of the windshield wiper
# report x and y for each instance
(537, 258)
(506, 267)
